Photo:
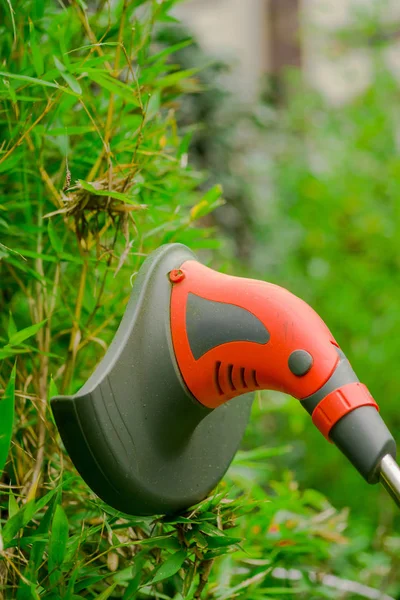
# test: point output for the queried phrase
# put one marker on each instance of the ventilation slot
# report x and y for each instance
(216, 378)
(242, 377)
(230, 379)
(254, 378)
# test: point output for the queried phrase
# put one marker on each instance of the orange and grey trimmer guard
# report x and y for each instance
(134, 431)
(156, 426)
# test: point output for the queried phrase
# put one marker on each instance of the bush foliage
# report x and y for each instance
(95, 174)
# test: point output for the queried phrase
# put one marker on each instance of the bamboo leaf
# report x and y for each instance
(18, 521)
(129, 94)
(38, 547)
(217, 538)
(68, 78)
(53, 391)
(12, 328)
(137, 573)
(108, 193)
(12, 13)
(170, 50)
(174, 78)
(58, 538)
(209, 202)
(71, 130)
(170, 567)
(50, 258)
(55, 239)
(37, 56)
(7, 418)
(20, 336)
(34, 80)
(12, 161)
(107, 593)
(13, 507)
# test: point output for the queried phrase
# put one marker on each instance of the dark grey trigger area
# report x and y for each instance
(210, 324)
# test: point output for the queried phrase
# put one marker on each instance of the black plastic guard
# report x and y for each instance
(134, 432)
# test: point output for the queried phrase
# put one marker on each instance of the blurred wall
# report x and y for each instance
(242, 31)
(236, 30)
(337, 71)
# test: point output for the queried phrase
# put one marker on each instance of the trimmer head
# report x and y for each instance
(135, 433)
(156, 426)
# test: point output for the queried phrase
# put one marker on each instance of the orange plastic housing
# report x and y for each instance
(236, 367)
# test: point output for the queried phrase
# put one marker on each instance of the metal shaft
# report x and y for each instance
(390, 477)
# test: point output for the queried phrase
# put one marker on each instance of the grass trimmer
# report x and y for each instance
(156, 426)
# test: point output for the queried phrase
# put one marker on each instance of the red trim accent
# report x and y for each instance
(339, 403)
(176, 275)
(234, 368)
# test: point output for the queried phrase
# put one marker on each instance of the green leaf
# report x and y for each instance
(89, 46)
(12, 161)
(68, 78)
(201, 540)
(44, 500)
(18, 521)
(217, 538)
(170, 50)
(71, 258)
(58, 538)
(107, 593)
(185, 143)
(10, 91)
(12, 19)
(174, 78)
(210, 529)
(108, 193)
(209, 202)
(170, 566)
(26, 541)
(32, 254)
(27, 591)
(12, 328)
(129, 94)
(24, 334)
(88, 581)
(28, 79)
(153, 106)
(223, 542)
(7, 418)
(55, 239)
(70, 130)
(37, 55)
(53, 391)
(13, 506)
(137, 573)
(39, 546)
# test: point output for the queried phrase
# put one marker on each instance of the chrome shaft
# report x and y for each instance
(390, 477)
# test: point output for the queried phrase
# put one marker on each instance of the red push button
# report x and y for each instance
(339, 403)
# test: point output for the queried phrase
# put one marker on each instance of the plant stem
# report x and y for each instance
(75, 331)
(204, 572)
